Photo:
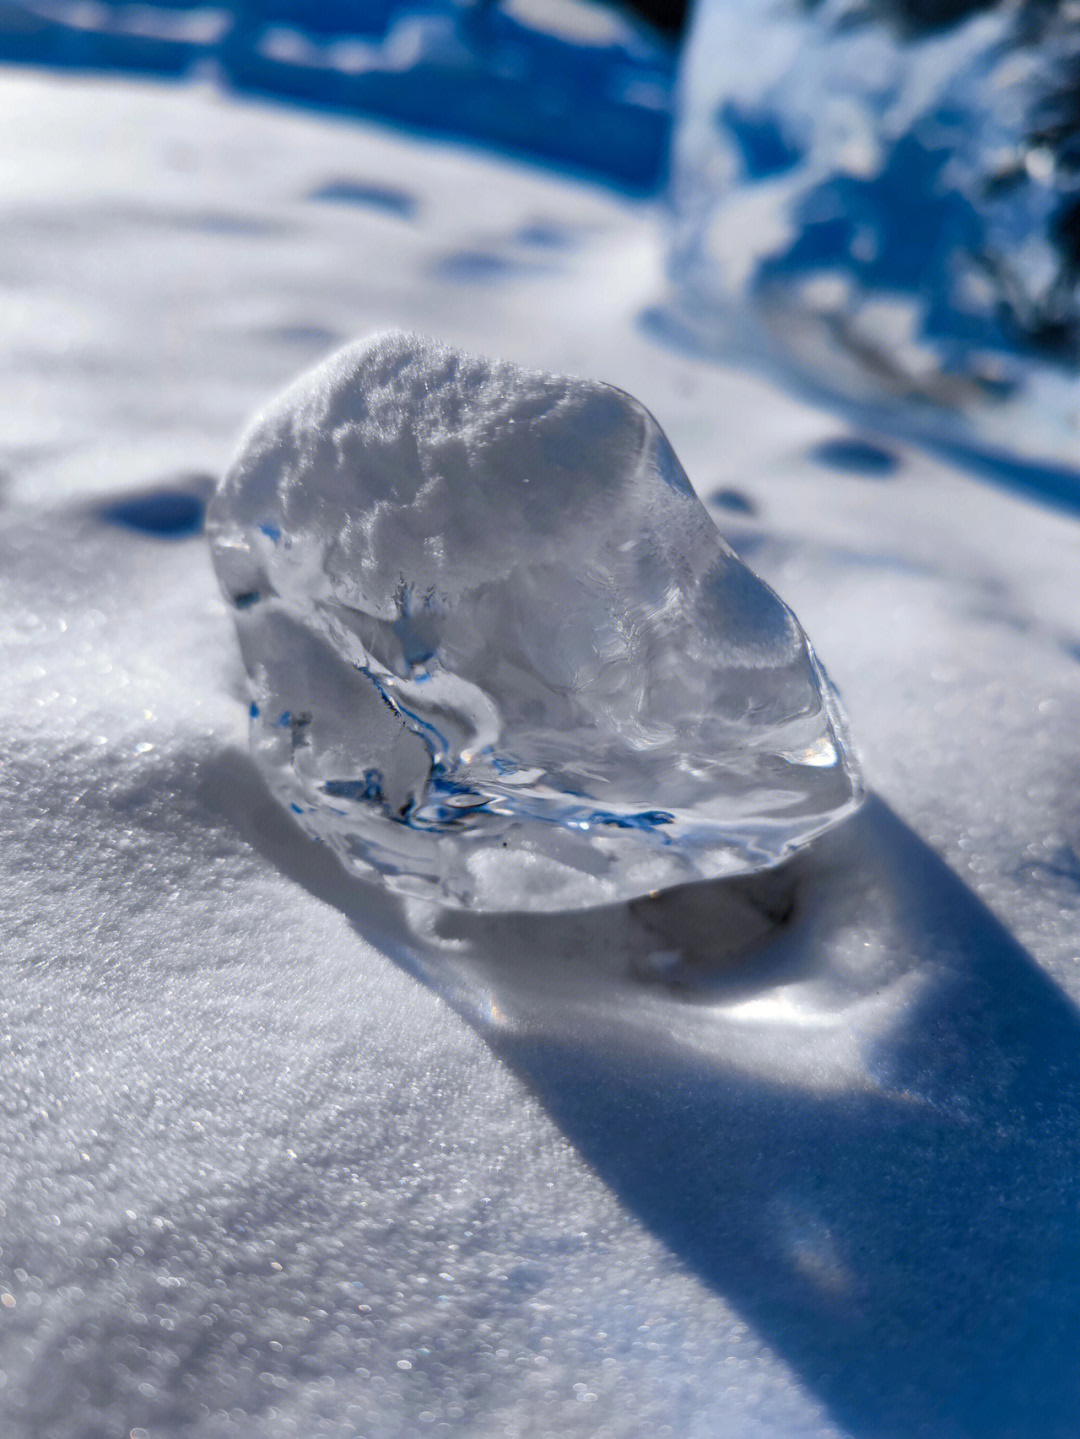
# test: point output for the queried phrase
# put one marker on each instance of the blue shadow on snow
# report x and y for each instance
(909, 1244)
(168, 513)
(911, 1249)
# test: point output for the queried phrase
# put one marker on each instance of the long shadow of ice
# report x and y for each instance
(910, 1244)
(863, 1134)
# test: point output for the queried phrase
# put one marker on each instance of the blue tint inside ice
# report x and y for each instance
(762, 144)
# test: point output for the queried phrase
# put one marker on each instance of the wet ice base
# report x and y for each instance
(499, 653)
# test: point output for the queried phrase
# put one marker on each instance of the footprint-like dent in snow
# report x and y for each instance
(855, 456)
(175, 511)
(369, 194)
(546, 235)
(479, 265)
(733, 501)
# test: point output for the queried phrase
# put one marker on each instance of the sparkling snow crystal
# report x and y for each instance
(499, 653)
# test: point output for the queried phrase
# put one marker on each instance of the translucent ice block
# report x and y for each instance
(499, 653)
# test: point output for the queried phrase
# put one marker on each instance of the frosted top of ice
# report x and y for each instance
(499, 651)
(414, 464)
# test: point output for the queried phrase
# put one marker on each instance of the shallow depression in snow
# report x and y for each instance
(499, 652)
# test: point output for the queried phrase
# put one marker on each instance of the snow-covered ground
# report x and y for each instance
(284, 1156)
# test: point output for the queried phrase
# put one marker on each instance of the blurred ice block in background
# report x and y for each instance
(883, 196)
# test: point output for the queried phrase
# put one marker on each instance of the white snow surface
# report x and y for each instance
(282, 1155)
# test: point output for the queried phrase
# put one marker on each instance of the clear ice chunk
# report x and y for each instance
(499, 654)
(884, 196)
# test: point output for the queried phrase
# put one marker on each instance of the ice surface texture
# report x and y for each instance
(888, 194)
(499, 653)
